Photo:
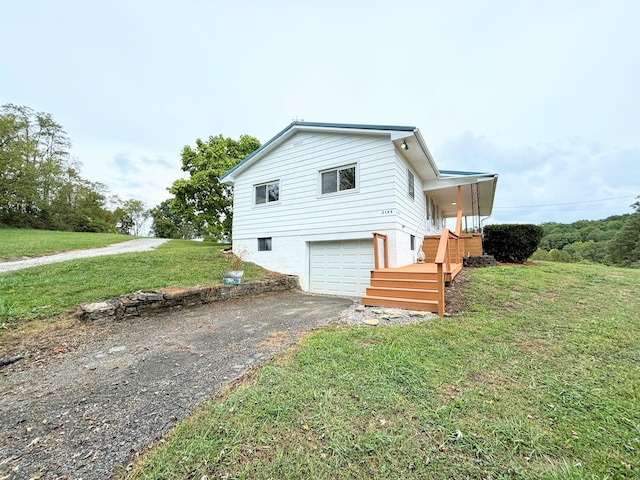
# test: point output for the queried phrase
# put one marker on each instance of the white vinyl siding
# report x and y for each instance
(303, 211)
(411, 214)
(303, 214)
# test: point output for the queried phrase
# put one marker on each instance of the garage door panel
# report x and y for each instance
(341, 267)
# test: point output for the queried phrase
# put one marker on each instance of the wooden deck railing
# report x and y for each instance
(376, 250)
(448, 253)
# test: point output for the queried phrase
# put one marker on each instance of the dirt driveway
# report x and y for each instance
(82, 405)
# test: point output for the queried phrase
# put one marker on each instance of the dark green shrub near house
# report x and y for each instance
(511, 243)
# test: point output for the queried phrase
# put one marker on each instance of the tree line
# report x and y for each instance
(41, 186)
(614, 240)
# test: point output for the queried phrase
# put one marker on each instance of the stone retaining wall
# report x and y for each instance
(483, 261)
(149, 301)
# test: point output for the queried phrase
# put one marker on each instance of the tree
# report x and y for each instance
(131, 216)
(624, 249)
(40, 186)
(167, 224)
(17, 174)
(201, 200)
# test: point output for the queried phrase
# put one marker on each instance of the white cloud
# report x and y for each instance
(558, 181)
(549, 89)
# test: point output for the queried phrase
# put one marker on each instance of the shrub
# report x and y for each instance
(541, 254)
(511, 243)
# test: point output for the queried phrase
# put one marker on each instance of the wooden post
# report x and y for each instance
(376, 263)
(459, 216)
(441, 257)
(386, 253)
(440, 290)
(376, 251)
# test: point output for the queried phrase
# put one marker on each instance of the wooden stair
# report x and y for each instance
(406, 287)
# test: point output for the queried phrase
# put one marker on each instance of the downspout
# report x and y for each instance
(482, 231)
(482, 220)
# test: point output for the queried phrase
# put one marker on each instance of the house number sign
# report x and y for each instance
(389, 211)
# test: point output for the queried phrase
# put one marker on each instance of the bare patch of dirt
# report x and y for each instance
(456, 298)
(275, 339)
(531, 347)
(43, 341)
(450, 392)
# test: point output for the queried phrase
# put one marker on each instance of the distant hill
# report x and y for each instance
(584, 240)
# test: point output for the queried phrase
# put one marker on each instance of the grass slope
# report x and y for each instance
(16, 243)
(47, 290)
(539, 379)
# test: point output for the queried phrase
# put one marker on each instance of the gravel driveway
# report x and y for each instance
(85, 399)
(137, 245)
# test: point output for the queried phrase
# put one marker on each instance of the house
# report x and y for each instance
(310, 199)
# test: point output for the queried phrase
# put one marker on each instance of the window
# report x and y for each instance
(434, 213)
(338, 179)
(411, 184)
(267, 192)
(264, 244)
(413, 242)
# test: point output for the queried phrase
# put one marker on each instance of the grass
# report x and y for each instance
(48, 290)
(16, 243)
(540, 378)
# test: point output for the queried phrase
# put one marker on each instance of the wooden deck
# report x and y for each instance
(418, 286)
(413, 287)
(427, 268)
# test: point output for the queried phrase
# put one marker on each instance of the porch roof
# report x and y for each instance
(477, 193)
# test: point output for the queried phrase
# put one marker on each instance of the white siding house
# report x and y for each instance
(308, 201)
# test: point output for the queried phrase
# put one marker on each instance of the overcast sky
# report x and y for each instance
(546, 94)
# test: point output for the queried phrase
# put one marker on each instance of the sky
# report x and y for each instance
(544, 93)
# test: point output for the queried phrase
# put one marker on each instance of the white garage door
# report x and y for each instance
(341, 267)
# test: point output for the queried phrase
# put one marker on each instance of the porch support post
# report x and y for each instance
(459, 217)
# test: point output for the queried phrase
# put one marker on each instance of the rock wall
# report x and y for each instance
(149, 301)
(482, 261)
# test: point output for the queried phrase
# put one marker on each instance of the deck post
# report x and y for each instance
(459, 216)
(386, 253)
(376, 263)
(440, 290)
(376, 251)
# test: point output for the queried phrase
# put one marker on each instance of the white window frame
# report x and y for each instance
(266, 185)
(337, 170)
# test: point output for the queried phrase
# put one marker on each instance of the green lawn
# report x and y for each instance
(48, 290)
(540, 378)
(16, 243)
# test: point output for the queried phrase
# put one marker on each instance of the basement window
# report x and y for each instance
(264, 244)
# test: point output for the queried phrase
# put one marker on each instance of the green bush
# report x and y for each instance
(511, 243)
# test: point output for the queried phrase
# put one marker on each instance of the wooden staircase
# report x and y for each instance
(414, 287)
(419, 286)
